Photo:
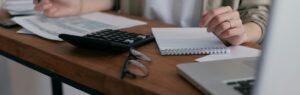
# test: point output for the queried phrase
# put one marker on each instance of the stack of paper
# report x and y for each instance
(50, 28)
(20, 7)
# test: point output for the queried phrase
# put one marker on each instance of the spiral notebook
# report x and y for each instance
(187, 41)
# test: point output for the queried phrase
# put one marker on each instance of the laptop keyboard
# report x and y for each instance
(243, 86)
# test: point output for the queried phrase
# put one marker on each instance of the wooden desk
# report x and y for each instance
(95, 70)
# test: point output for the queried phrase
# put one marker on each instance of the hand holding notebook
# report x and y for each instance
(187, 41)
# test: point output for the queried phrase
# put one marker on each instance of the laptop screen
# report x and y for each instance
(280, 62)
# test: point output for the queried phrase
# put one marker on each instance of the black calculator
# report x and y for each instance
(115, 41)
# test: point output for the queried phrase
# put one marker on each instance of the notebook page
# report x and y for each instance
(185, 38)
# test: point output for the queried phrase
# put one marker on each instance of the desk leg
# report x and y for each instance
(56, 80)
(56, 87)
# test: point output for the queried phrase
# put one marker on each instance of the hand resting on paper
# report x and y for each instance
(59, 8)
(227, 25)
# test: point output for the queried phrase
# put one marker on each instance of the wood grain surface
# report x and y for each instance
(100, 70)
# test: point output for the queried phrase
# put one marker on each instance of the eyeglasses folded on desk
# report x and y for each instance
(136, 65)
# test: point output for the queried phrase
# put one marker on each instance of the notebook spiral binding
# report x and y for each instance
(194, 51)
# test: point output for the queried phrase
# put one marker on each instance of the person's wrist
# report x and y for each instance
(252, 31)
(246, 38)
(244, 35)
(243, 38)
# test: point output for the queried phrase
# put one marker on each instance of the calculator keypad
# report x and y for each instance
(117, 36)
(114, 41)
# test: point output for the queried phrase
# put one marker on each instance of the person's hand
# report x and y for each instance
(226, 24)
(58, 8)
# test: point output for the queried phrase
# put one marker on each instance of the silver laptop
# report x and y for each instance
(278, 69)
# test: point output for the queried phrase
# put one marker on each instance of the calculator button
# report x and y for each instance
(128, 41)
(141, 36)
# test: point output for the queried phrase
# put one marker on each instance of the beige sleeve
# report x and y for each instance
(255, 11)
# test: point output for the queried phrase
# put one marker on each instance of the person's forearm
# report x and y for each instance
(96, 5)
(253, 32)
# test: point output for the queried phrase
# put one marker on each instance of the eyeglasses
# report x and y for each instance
(136, 65)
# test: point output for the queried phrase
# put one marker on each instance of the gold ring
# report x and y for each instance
(229, 23)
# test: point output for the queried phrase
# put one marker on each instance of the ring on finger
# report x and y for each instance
(230, 25)
(224, 26)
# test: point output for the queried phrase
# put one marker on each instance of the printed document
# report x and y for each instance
(24, 31)
(50, 28)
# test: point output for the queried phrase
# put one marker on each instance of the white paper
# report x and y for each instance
(22, 13)
(20, 7)
(235, 52)
(174, 38)
(181, 41)
(24, 31)
(50, 28)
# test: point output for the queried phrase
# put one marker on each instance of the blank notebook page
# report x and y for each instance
(186, 41)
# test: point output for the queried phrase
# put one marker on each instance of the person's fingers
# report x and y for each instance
(232, 32)
(41, 6)
(59, 14)
(236, 40)
(55, 12)
(211, 14)
(46, 1)
(203, 15)
(38, 7)
(222, 18)
(47, 6)
(51, 12)
(227, 25)
(222, 27)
